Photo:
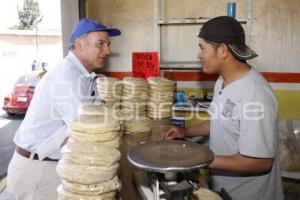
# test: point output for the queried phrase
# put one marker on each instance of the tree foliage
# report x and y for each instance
(29, 15)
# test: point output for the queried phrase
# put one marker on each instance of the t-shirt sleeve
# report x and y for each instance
(258, 124)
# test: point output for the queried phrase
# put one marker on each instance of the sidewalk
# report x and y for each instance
(4, 194)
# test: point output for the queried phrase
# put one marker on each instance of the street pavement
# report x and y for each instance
(8, 127)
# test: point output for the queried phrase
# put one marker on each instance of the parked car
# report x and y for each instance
(18, 101)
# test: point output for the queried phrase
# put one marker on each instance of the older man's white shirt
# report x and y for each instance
(56, 101)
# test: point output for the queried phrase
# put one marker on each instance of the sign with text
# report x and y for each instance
(145, 64)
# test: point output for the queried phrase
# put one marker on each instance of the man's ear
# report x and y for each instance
(223, 51)
(78, 44)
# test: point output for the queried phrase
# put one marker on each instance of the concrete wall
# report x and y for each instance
(180, 42)
(29, 37)
(134, 18)
(275, 29)
(274, 35)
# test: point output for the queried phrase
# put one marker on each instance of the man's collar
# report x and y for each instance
(72, 57)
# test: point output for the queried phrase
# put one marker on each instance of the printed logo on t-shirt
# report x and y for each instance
(228, 109)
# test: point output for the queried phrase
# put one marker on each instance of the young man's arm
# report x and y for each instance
(201, 129)
(241, 164)
(234, 163)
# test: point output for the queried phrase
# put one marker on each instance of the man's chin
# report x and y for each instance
(100, 65)
(208, 70)
(98, 68)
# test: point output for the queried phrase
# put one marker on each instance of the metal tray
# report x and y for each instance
(170, 156)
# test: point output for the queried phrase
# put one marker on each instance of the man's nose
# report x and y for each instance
(199, 55)
(107, 50)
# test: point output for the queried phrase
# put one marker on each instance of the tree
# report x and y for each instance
(29, 15)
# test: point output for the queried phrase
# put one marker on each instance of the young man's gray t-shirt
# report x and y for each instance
(244, 120)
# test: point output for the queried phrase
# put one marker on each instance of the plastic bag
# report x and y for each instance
(289, 148)
(289, 153)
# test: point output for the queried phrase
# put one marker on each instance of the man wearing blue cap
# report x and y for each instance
(31, 172)
(243, 125)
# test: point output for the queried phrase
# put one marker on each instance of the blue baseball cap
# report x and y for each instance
(86, 25)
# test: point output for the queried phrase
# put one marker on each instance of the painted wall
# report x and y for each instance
(18, 50)
(134, 18)
(275, 29)
(274, 35)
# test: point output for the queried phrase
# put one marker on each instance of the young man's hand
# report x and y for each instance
(172, 133)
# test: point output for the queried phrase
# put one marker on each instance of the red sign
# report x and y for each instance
(145, 64)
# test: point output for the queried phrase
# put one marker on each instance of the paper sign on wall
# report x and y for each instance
(145, 64)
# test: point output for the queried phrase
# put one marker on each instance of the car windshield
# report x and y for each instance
(27, 80)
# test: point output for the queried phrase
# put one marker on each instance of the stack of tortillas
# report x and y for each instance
(110, 91)
(137, 130)
(102, 129)
(161, 97)
(90, 160)
(138, 124)
(134, 97)
(100, 110)
(103, 110)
